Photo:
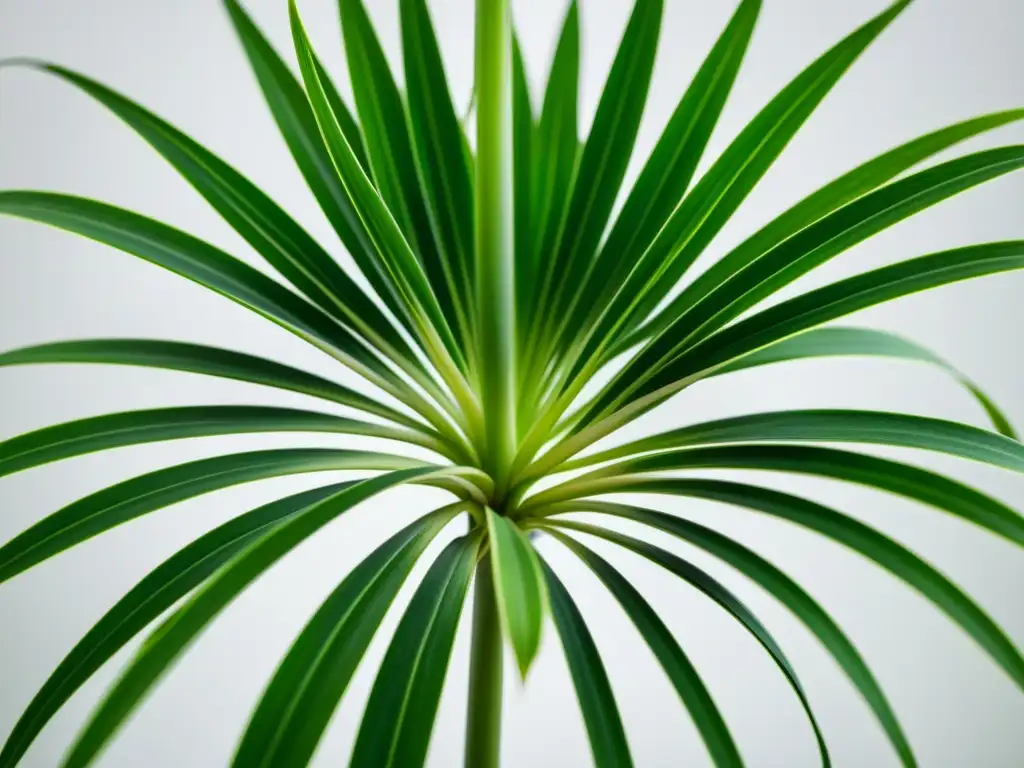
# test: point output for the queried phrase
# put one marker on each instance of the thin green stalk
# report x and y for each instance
(494, 236)
(483, 715)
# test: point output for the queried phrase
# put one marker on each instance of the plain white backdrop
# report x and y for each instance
(943, 61)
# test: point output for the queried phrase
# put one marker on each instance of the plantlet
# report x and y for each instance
(503, 285)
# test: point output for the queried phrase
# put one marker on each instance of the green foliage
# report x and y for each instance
(500, 285)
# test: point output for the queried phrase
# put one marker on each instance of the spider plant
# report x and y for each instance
(511, 324)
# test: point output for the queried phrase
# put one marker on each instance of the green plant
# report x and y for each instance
(503, 286)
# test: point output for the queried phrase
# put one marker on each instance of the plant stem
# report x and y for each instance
(494, 237)
(483, 714)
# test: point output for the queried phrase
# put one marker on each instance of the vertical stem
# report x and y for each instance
(495, 251)
(483, 715)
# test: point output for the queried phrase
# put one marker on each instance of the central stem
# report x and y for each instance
(495, 224)
(483, 716)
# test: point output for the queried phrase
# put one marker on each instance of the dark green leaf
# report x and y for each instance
(784, 589)
(158, 591)
(163, 647)
(101, 511)
(837, 341)
(593, 691)
(304, 692)
(115, 430)
(673, 659)
(395, 731)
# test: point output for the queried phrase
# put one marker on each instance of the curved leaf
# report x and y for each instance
(147, 600)
(101, 511)
(519, 586)
(780, 586)
(891, 476)
(673, 659)
(210, 361)
(210, 267)
(268, 228)
(163, 647)
(399, 716)
(593, 691)
(896, 559)
(838, 341)
(115, 430)
(304, 692)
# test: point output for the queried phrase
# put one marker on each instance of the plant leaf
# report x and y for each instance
(519, 585)
(210, 361)
(389, 242)
(399, 716)
(839, 341)
(896, 559)
(441, 159)
(147, 600)
(847, 188)
(101, 511)
(670, 167)
(673, 659)
(116, 430)
(782, 588)
(608, 743)
(268, 228)
(291, 110)
(710, 587)
(602, 164)
(163, 647)
(298, 702)
(891, 476)
(213, 269)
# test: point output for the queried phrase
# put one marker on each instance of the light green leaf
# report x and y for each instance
(519, 585)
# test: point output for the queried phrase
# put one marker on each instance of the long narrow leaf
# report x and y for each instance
(176, 634)
(209, 361)
(154, 594)
(399, 717)
(676, 665)
(847, 342)
(298, 703)
(608, 743)
(116, 430)
(101, 511)
(780, 586)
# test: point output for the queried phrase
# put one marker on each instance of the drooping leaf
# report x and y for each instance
(116, 430)
(210, 361)
(166, 644)
(101, 511)
(846, 342)
(780, 586)
(608, 744)
(519, 585)
(883, 474)
(145, 602)
(874, 546)
(298, 702)
(676, 665)
(399, 716)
